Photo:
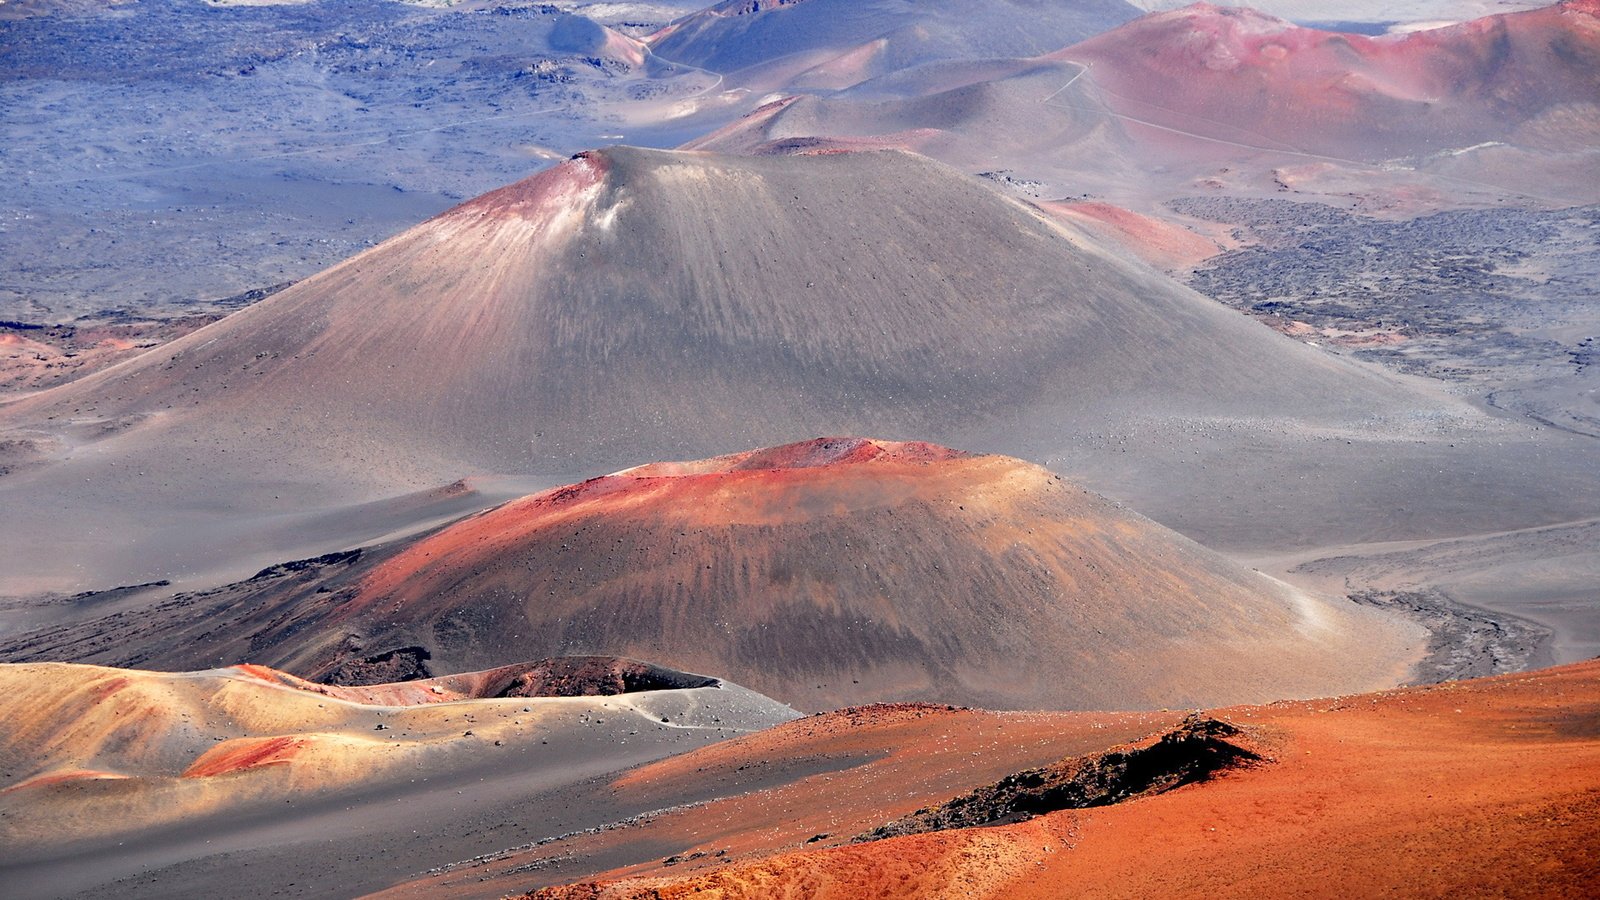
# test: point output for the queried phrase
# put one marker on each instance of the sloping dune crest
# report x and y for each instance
(91, 754)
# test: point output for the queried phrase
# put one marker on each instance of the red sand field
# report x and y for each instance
(38, 357)
(1162, 244)
(1481, 788)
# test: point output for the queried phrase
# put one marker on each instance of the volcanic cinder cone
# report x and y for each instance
(627, 305)
(829, 572)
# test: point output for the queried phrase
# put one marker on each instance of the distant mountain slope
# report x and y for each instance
(853, 39)
(1530, 78)
(1207, 98)
(1334, 12)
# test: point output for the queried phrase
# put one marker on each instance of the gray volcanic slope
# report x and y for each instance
(632, 305)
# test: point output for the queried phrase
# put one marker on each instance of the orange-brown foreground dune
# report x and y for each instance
(822, 573)
(1478, 788)
(813, 782)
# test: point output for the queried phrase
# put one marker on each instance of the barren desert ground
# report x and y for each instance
(799, 448)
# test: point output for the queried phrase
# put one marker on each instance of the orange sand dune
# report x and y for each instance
(1479, 788)
(91, 754)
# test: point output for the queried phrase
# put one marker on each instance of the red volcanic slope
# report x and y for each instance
(238, 756)
(844, 570)
(821, 573)
(1477, 788)
(1239, 75)
(1161, 244)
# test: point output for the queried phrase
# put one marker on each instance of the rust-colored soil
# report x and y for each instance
(1481, 788)
(814, 782)
(1159, 243)
(245, 753)
(841, 571)
(37, 357)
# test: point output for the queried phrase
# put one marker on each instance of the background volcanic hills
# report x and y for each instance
(835, 43)
(825, 573)
(1529, 78)
(1208, 97)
